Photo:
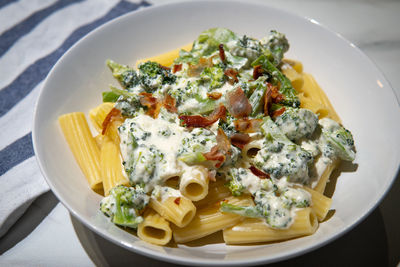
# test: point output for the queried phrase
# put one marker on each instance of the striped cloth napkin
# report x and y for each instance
(34, 34)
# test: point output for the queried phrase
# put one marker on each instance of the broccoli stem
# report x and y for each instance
(255, 99)
(192, 158)
(251, 212)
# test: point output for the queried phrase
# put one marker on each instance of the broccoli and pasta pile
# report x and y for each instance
(225, 134)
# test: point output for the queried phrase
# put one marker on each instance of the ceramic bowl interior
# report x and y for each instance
(359, 92)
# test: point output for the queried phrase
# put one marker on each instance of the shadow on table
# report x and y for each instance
(33, 216)
(365, 245)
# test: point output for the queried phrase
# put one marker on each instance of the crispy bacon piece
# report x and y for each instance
(170, 103)
(257, 72)
(239, 140)
(232, 75)
(200, 121)
(113, 115)
(238, 104)
(220, 150)
(195, 70)
(278, 112)
(152, 104)
(176, 68)
(214, 95)
(246, 125)
(164, 67)
(268, 98)
(275, 95)
(222, 52)
(177, 201)
(259, 173)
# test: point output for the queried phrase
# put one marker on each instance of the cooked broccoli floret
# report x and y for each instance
(340, 139)
(274, 206)
(277, 45)
(281, 157)
(209, 41)
(285, 86)
(152, 75)
(297, 123)
(123, 205)
(214, 76)
(234, 184)
(124, 74)
(247, 47)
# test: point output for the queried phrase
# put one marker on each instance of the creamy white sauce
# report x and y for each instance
(162, 193)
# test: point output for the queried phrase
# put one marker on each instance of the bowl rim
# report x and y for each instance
(185, 260)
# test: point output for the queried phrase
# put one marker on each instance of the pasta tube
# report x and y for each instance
(217, 191)
(320, 203)
(98, 114)
(194, 183)
(111, 166)
(154, 229)
(209, 220)
(83, 146)
(256, 230)
(178, 210)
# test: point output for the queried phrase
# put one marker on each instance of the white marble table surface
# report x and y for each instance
(46, 235)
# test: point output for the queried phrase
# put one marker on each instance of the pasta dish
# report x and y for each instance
(224, 134)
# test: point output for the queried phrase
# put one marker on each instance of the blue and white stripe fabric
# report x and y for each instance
(34, 34)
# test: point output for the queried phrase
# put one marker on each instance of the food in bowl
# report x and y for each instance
(226, 135)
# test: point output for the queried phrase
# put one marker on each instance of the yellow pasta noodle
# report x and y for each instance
(323, 180)
(209, 220)
(98, 114)
(217, 191)
(194, 183)
(180, 212)
(154, 229)
(111, 166)
(256, 230)
(295, 77)
(320, 203)
(83, 146)
(312, 90)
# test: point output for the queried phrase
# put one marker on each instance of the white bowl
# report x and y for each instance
(359, 92)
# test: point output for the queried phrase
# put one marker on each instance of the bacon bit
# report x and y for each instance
(176, 68)
(259, 173)
(239, 140)
(177, 200)
(222, 52)
(215, 155)
(257, 72)
(268, 98)
(238, 104)
(200, 121)
(113, 115)
(220, 150)
(232, 75)
(246, 125)
(152, 104)
(214, 95)
(195, 70)
(170, 103)
(278, 112)
(164, 67)
(275, 95)
(211, 175)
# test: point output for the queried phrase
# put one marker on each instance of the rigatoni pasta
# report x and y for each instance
(82, 144)
(223, 135)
